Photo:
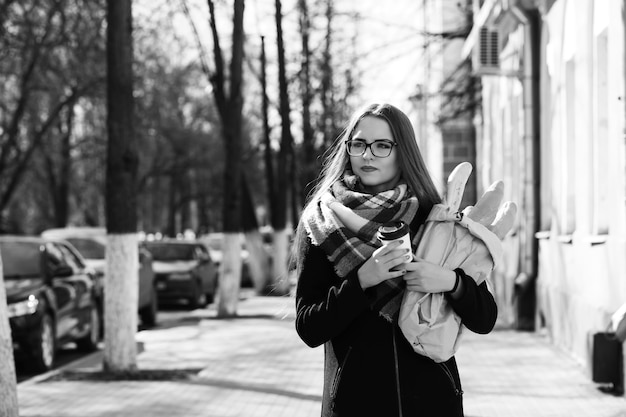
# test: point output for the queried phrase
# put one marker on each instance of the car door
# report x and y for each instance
(82, 280)
(79, 284)
(206, 268)
(64, 292)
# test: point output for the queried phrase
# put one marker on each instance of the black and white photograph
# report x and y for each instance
(298, 208)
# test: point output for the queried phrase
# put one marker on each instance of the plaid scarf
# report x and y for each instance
(348, 249)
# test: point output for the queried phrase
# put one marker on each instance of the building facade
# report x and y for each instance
(552, 126)
(446, 105)
(444, 127)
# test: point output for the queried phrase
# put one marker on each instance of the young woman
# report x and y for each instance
(350, 287)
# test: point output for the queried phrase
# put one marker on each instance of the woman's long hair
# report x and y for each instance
(412, 166)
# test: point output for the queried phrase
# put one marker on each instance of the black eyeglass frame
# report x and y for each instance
(370, 146)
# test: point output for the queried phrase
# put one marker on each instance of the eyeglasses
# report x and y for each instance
(380, 148)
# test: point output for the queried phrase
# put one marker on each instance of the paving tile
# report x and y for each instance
(256, 366)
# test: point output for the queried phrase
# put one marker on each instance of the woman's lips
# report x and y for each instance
(368, 169)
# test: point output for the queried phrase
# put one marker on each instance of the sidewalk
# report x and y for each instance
(255, 366)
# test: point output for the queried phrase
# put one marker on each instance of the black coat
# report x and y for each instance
(366, 358)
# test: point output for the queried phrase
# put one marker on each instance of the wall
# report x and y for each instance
(442, 146)
(581, 277)
(501, 156)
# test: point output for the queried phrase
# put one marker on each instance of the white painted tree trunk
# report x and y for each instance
(8, 381)
(230, 276)
(258, 260)
(121, 302)
(280, 273)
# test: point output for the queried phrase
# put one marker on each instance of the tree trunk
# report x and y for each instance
(63, 207)
(229, 106)
(59, 177)
(121, 302)
(309, 166)
(281, 283)
(269, 165)
(230, 273)
(230, 109)
(58, 174)
(186, 202)
(8, 382)
(280, 271)
(121, 281)
(171, 204)
(327, 121)
(257, 256)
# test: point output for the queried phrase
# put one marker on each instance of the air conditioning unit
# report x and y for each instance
(486, 58)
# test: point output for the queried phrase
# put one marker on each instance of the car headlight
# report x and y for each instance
(180, 276)
(24, 308)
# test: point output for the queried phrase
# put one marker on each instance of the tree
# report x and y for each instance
(279, 218)
(40, 78)
(58, 173)
(182, 155)
(121, 285)
(230, 111)
(328, 120)
(8, 382)
(257, 259)
(229, 106)
(309, 169)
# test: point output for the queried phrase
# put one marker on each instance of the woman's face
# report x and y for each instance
(377, 174)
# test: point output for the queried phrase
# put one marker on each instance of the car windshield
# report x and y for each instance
(21, 259)
(173, 252)
(214, 243)
(90, 249)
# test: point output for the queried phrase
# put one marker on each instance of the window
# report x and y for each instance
(567, 155)
(21, 260)
(89, 248)
(601, 177)
(169, 252)
(54, 256)
(70, 258)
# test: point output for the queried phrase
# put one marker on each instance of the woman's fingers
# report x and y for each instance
(456, 185)
(390, 256)
(486, 207)
(504, 220)
(396, 257)
(386, 249)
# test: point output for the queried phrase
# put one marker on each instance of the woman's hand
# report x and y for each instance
(427, 277)
(381, 266)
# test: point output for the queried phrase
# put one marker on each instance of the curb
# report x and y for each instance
(91, 360)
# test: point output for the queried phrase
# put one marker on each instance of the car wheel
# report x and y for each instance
(43, 349)
(89, 342)
(148, 313)
(198, 298)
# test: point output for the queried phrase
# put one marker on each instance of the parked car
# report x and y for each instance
(215, 242)
(51, 298)
(184, 270)
(91, 243)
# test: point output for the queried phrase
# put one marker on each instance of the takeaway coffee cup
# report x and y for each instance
(390, 232)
